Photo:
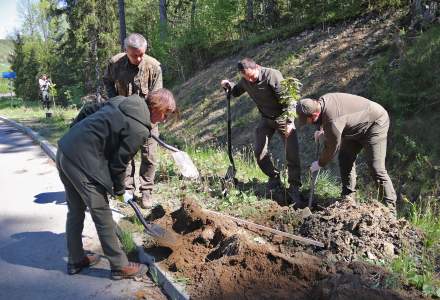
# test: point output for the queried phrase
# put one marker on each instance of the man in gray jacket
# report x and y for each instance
(350, 123)
(264, 87)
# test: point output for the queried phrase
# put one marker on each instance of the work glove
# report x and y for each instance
(318, 135)
(315, 167)
(125, 197)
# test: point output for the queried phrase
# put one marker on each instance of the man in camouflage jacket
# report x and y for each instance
(134, 72)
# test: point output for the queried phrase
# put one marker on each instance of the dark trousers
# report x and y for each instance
(147, 169)
(263, 134)
(82, 193)
(45, 99)
(374, 142)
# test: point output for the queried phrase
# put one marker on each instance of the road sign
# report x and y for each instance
(10, 75)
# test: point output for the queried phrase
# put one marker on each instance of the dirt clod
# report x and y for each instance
(353, 231)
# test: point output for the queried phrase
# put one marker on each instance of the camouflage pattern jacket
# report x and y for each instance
(121, 78)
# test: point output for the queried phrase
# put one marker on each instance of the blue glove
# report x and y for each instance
(125, 197)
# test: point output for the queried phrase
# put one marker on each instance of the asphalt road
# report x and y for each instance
(32, 232)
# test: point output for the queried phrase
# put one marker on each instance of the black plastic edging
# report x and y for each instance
(171, 289)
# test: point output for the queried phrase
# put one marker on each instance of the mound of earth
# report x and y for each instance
(352, 231)
(221, 260)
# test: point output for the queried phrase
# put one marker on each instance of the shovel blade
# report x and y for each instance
(185, 165)
(313, 181)
(154, 230)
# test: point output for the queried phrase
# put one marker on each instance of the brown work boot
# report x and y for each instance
(147, 200)
(89, 260)
(131, 270)
(295, 197)
(349, 198)
(273, 183)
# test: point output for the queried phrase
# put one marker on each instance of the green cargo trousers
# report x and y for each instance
(374, 142)
(263, 134)
(82, 193)
(147, 169)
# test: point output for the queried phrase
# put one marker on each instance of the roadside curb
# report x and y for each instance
(48, 148)
(171, 289)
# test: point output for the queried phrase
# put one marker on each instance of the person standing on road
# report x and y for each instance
(134, 72)
(264, 87)
(44, 84)
(92, 158)
(351, 123)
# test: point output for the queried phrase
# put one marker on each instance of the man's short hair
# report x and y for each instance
(135, 40)
(246, 63)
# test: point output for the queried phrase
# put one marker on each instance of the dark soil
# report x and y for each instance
(222, 260)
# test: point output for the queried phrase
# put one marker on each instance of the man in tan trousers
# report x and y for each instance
(351, 123)
(134, 72)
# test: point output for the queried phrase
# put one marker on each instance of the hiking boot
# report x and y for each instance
(89, 260)
(131, 270)
(349, 198)
(295, 196)
(392, 207)
(147, 200)
(273, 183)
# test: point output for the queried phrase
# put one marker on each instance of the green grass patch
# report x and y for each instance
(420, 270)
(31, 114)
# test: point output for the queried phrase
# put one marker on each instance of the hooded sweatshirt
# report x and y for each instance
(104, 138)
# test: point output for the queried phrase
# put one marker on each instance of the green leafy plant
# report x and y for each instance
(291, 93)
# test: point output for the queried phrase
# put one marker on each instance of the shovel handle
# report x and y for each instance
(314, 179)
(139, 214)
(163, 144)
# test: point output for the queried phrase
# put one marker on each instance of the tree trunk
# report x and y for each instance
(193, 13)
(250, 11)
(163, 19)
(122, 28)
(271, 13)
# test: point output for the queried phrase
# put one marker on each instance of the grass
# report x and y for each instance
(420, 270)
(33, 115)
(128, 245)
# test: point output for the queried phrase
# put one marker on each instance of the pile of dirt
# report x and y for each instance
(352, 231)
(220, 260)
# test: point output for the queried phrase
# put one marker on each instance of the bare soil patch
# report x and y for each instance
(221, 260)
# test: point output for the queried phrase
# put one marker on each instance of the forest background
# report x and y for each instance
(72, 40)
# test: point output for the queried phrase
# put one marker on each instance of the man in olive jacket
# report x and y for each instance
(128, 73)
(92, 158)
(351, 123)
(264, 87)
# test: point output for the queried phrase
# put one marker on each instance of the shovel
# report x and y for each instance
(314, 179)
(230, 173)
(182, 160)
(163, 236)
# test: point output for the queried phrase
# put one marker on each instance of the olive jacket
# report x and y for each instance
(105, 136)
